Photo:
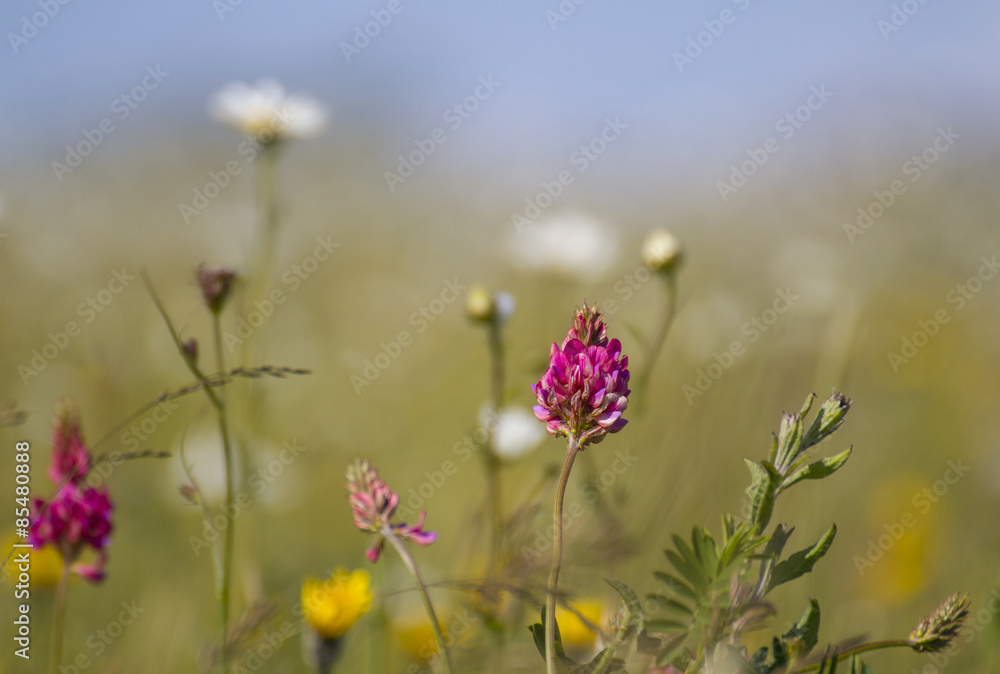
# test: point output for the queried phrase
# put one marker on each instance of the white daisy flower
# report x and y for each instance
(266, 112)
(573, 245)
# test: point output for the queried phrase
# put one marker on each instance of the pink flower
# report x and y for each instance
(585, 390)
(70, 458)
(373, 504)
(72, 521)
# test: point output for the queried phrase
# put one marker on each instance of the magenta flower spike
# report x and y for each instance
(70, 459)
(72, 521)
(373, 505)
(585, 391)
(76, 518)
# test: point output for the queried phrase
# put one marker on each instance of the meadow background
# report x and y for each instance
(861, 292)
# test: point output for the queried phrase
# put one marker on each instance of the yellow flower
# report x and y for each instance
(46, 564)
(574, 631)
(332, 606)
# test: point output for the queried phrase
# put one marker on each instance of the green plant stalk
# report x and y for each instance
(411, 565)
(863, 648)
(230, 534)
(59, 617)
(493, 467)
(572, 449)
(221, 583)
(659, 338)
(266, 195)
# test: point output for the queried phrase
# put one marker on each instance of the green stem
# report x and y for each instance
(222, 578)
(230, 533)
(59, 617)
(493, 466)
(411, 565)
(863, 648)
(557, 545)
(656, 345)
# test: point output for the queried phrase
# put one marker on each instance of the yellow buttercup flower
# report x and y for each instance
(46, 564)
(332, 606)
(575, 632)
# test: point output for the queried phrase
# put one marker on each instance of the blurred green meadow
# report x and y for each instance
(852, 304)
(848, 245)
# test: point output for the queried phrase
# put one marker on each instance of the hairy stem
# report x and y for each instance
(557, 548)
(862, 648)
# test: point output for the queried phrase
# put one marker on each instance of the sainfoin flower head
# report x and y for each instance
(585, 390)
(70, 459)
(373, 505)
(72, 521)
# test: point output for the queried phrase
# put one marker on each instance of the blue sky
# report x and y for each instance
(558, 80)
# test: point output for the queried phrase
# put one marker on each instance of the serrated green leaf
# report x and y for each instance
(817, 470)
(802, 562)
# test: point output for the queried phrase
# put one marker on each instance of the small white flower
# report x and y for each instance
(574, 245)
(515, 433)
(266, 112)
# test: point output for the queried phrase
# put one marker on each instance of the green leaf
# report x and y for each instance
(675, 585)
(805, 632)
(670, 650)
(817, 469)
(828, 419)
(671, 605)
(688, 564)
(802, 562)
(635, 618)
(706, 550)
(666, 625)
(538, 634)
(773, 552)
(762, 492)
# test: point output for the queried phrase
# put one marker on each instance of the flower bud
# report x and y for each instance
(661, 250)
(479, 304)
(216, 286)
(190, 349)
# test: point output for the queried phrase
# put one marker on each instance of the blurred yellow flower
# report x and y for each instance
(46, 564)
(332, 606)
(574, 631)
(417, 639)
